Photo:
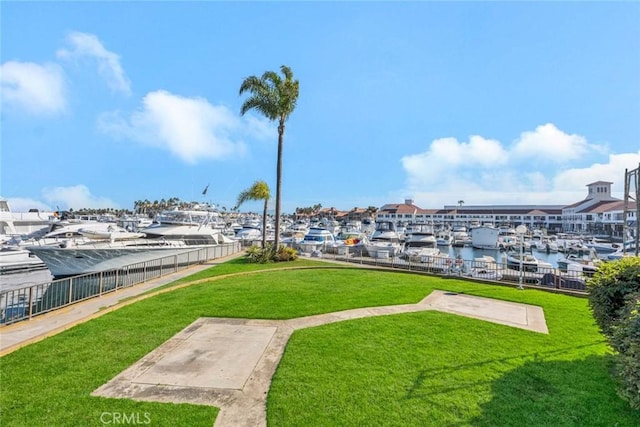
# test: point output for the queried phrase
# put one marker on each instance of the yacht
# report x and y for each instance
(444, 238)
(420, 243)
(316, 239)
(586, 264)
(174, 233)
(484, 237)
(249, 233)
(348, 242)
(13, 224)
(385, 241)
(485, 267)
(460, 237)
(528, 262)
(603, 248)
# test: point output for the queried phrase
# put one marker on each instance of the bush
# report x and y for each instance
(259, 255)
(626, 340)
(285, 253)
(614, 297)
(608, 288)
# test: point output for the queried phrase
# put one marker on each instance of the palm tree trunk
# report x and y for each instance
(264, 224)
(279, 184)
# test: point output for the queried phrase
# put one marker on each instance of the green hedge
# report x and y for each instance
(614, 297)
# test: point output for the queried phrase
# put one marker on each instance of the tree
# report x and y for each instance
(460, 202)
(258, 191)
(275, 98)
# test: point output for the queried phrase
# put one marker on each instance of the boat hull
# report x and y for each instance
(64, 262)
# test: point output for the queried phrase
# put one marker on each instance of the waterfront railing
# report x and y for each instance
(29, 301)
(573, 282)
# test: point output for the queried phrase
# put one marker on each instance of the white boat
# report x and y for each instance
(586, 264)
(460, 237)
(484, 237)
(15, 259)
(603, 248)
(384, 242)
(444, 238)
(628, 250)
(64, 233)
(528, 262)
(485, 267)
(177, 232)
(249, 233)
(347, 242)
(111, 233)
(420, 243)
(14, 224)
(316, 239)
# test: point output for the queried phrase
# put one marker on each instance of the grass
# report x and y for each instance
(412, 369)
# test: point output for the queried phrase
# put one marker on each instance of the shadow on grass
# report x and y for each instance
(557, 393)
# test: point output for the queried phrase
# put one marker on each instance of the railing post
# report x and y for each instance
(70, 289)
(30, 300)
(101, 284)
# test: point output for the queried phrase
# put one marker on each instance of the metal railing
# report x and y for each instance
(26, 302)
(549, 278)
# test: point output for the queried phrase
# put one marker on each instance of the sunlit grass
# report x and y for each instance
(412, 369)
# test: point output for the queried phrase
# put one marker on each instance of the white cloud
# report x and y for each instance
(34, 88)
(260, 127)
(549, 143)
(88, 45)
(75, 197)
(190, 128)
(576, 179)
(445, 156)
(483, 172)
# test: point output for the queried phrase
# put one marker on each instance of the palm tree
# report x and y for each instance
(460, 202)
(258, 191)
(275, 98)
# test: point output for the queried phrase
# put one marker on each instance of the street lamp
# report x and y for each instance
(521, 230)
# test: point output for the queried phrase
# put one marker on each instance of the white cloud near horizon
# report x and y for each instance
(34, 88)
(191, 129)
(75, 197)
(447, 153)
(84, 45)
(549, 143)
(485, 172)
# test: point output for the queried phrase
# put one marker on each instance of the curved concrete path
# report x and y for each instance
(229, 363)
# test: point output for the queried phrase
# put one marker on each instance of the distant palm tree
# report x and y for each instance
(258, 191)
(460, 202)
(275, 98)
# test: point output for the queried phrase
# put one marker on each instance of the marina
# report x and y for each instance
(87, 255)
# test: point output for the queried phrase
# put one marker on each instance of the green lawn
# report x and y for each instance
(412, 369)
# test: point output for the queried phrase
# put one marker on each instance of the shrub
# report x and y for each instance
(259, 255)
(285, 253)
(626, 340)
(608, 288)
(614, 297)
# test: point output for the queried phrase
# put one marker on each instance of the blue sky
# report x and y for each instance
(105, 103)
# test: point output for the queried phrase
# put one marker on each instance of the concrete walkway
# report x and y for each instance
(229, 363)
